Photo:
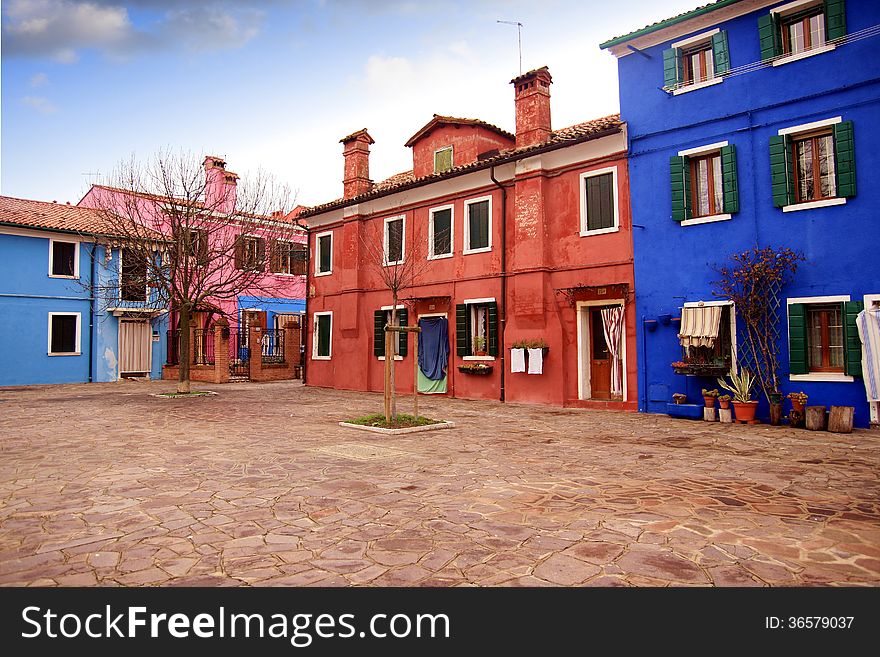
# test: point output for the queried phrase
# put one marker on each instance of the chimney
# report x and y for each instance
(356, 151)
(220, 185)
(532, 91)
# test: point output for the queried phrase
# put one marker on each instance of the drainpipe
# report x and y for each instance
(644, 396)
(92, 311)
(502, 350)
(304, 325)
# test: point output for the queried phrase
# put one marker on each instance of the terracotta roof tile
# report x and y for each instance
(558, 138)
(52, 216)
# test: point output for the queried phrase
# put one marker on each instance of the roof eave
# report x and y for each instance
(616, 41)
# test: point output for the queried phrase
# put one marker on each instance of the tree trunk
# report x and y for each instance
(394, 336)
(815, 418)
(184, 358)
(840, 420)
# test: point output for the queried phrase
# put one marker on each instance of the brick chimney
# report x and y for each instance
(532, 91)
(220, 185)
(356, 151)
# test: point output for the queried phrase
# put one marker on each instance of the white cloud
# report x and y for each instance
(39, 104)
(39, 80)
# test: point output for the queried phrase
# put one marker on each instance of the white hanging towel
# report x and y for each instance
(517, 360)
(536, 361)
(868, 324)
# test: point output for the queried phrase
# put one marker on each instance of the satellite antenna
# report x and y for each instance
(518, 39)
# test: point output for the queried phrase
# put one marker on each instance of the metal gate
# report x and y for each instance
(239, 356)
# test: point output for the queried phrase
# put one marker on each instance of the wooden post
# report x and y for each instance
(416, 375)
(389, 355)
(840, 420)
(815, 418)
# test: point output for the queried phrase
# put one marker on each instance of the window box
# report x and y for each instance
(476, 368)
(703, 369)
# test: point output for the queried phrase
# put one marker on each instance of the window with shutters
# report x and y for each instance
(322, 344)
(813, 165)
(599, 202)
(704, 184)
(823, 338)
(443, 159)
(195, 243)
(476, 327)
(63, 259)
(324, 253)
(250, 252)
(800, 29)
(478, 225)
(133, 276)
(382, 318)
(395, 235)
(696, 62)
(440, 233)
(64, 334)
(289, 258)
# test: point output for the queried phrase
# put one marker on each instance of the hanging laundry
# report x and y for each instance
(868, 325)
(517, 360)
(536, 361)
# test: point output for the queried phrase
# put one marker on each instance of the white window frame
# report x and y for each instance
(76, 247)
(386, 309)
(702, 150)
(705, 37)
(387, 221)
(582, 186)
(318, 263)
(119, 295)
(467, 225)
(451, 158)
(733, 346)
(809, 127)
(315, 355)
(830, 377)
(478, 302)
(431, 254)
(78, 329)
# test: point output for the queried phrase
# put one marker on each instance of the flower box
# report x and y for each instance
(478, 369)
(702, 369)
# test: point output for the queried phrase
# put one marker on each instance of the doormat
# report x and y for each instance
(361, 451)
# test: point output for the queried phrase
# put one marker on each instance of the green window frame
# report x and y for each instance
(478, 225)
(722, 187)
(464, 327)
(774, 29)
(801, 326)
(698, 62)
(324, 253)
(381, 318)
(443, 159)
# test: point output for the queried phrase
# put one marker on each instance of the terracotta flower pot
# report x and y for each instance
(745, 411)
(709, 401)
(797, 406)
(724, 403)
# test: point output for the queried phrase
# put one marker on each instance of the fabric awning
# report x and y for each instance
(699, 326)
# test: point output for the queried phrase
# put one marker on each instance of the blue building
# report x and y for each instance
(57, 324)
(753, 124)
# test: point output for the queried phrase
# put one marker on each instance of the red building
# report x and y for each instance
(517, 238)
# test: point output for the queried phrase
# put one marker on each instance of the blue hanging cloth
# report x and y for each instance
(434, 347)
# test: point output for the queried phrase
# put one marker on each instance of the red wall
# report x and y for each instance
(467, 142)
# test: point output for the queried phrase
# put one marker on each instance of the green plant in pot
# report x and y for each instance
(479, 346)
(724, 401)
(741, 386)
(709, 397)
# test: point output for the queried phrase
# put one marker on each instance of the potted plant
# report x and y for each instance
(724, 401)
(741, 387)
(709, 397)
(475, 368)
(479, 346)
(798, 401)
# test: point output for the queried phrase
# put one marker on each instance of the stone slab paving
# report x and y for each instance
(104, 484)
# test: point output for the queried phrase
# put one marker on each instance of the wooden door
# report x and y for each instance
(600, 358)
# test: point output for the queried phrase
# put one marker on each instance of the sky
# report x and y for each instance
(275, 84)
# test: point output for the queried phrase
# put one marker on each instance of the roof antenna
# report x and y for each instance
(518, 39)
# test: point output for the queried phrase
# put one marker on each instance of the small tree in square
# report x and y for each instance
(753, 280)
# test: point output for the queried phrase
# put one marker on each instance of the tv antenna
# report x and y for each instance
(518, 39)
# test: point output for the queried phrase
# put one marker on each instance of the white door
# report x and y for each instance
(134, 347)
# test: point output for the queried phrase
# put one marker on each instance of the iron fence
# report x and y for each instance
(273, 346)
(203, 347)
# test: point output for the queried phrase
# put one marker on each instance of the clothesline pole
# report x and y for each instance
(389, 355)
(416, 375)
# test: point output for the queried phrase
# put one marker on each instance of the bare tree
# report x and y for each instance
(194, 236)
(396, 250)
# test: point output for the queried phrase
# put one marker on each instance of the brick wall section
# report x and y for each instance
(221, 351)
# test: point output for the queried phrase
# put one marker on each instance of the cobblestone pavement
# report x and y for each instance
(106, 484)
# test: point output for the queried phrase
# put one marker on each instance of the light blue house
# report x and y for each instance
(57, 322)
(755, 123)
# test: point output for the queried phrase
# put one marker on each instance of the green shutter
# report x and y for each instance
(845, 156)
(462, 342)
(728, 174)
(323, 335)
(671, 75)
(781, 181)
(720, 52)
(680, 183)
(835, 19)
(403, 342)
(379, 333)
(493, 327)
(768, 33)
(851, 341)
(798, 362)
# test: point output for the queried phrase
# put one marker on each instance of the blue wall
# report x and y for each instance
(272, 306)
(674, 263)
(28, 294)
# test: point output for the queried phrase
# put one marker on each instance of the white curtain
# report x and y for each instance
(612, 323)
(134, 346)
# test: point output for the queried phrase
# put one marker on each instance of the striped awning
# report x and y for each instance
(699, 326)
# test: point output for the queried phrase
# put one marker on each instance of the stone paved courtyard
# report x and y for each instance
(104, 484)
